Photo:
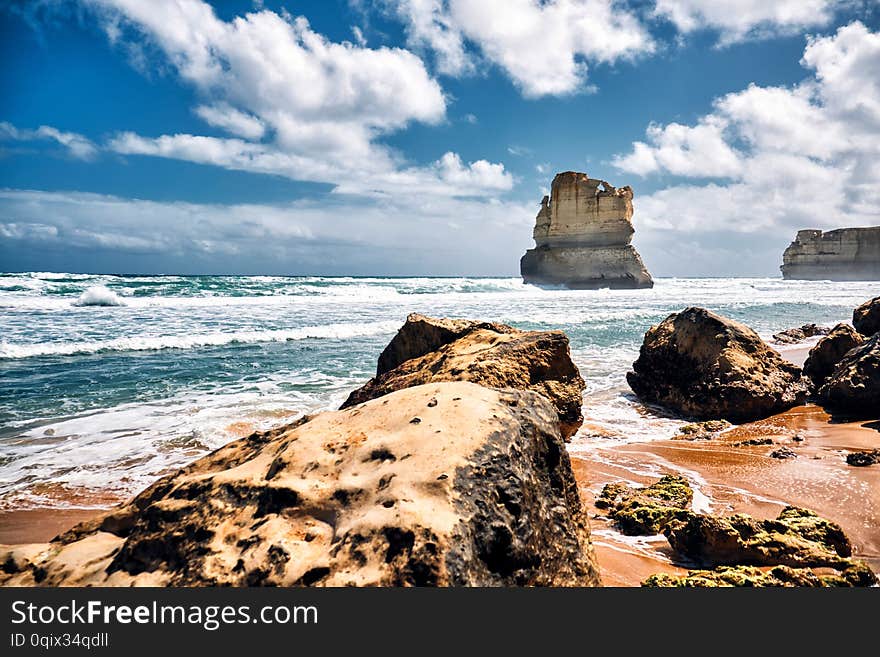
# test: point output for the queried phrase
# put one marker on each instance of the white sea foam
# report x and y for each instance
(155, 343)
(99, 295)
(123, 449)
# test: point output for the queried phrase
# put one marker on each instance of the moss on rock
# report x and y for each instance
(857, 574)
(648, 510)
(797, 537)
(702, 430)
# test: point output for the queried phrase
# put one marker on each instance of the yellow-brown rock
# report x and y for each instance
(582, 237)
(448, 484)
(427, 350)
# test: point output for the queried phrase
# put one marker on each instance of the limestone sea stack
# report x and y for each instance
(582, 237)
(846, 254)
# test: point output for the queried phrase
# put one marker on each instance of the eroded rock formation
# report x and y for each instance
(706, 366)
(853, 388)
(428, 350)
(846, 254)
(797, 538)
(829, 351)
(752, 577)
(799, 334)
(866, 318)
(447, 484)
(647, 510)
(582, 237)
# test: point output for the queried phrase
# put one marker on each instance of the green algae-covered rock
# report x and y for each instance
(797, 537)
(858, 574)
(648, 510)
(706, 430)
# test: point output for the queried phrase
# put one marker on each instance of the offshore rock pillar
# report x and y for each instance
(582, 237)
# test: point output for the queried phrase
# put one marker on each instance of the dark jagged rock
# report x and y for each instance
(783, 453)
(795, 335)
(797, 538)
(866, 318)
(707, 366)
(853, 389)
(644, 511)
(857, 574)
(479, 493)
(864, 458)
(707, 430)
(753, 442)
(428, 350)
(829, 351)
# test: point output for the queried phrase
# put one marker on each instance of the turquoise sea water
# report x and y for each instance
(107, 382)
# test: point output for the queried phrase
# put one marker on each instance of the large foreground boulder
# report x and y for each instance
(706, 366)
(866, 318)
(428, 350)
(853, 389)
(443, 484)
(829, 351)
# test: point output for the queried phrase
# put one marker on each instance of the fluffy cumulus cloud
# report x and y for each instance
(336, 236)
(737, 20)
(76, 144)
(780, 158)
(544, 46)
(295, 103)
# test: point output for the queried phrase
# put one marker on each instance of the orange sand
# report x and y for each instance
(745, 480)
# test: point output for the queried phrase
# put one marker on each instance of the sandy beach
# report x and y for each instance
(742, 480)
(738, 479)
(734, 479)
(727, 478)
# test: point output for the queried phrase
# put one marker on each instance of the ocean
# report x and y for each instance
(108, 382)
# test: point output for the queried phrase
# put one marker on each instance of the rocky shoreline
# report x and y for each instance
(449, 468)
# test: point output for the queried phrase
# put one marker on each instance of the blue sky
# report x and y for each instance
(415, 137)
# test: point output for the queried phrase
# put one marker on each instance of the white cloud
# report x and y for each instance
(430, 24)
(737, 20)
(846, 69)
(359, 37)
(374, 235)
(223, 115)
(448, 176)
(683, 150)
(544, 46)
(475, 175)
(323, 105)
(784, 158)
(76, 144)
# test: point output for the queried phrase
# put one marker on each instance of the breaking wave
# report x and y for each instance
(98, 295)
(329, 331)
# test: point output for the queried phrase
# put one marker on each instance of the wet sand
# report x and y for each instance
(743, 480)
(39, 525)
